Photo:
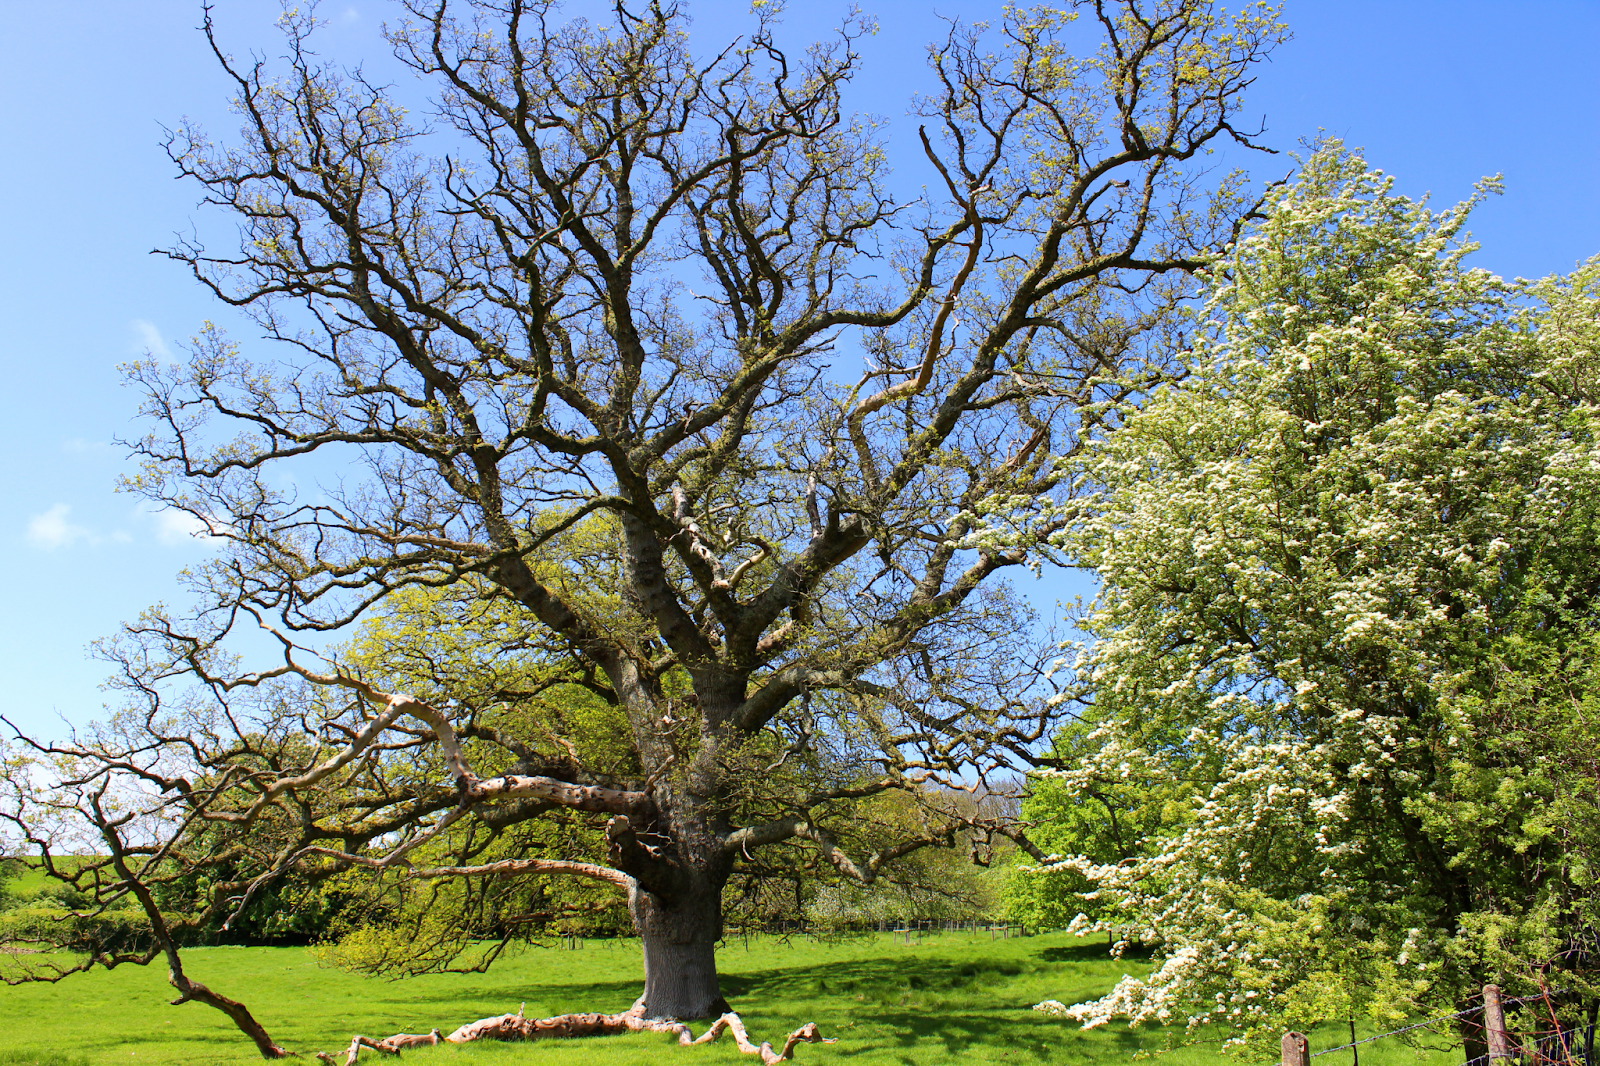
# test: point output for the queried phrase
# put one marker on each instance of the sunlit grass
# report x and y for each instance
(32, 880)
(951, 998)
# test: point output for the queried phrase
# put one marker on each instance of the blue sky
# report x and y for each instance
(1438, 94)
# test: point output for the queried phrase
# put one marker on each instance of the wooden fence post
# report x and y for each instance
(1494, 1024)
(1296, 1050)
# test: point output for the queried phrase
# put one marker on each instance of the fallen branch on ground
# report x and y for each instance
(389, 1045)
(562, 1026)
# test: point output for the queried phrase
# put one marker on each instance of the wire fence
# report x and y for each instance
(1396, 1032)
(1549, 1028)
(901, 930)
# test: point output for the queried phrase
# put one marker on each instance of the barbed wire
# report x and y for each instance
(1397, 1032)
(1534, 996)
(1467, 1012)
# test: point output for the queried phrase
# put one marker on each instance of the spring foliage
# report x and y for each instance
(1348, 601)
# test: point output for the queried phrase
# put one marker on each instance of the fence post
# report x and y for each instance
(1296, 1050)
(1494, 1024)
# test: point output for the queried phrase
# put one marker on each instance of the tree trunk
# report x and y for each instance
(680, 937)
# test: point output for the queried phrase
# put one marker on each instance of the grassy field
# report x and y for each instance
(31, 881)
(951, 998)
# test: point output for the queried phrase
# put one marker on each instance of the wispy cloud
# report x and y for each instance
(148, 339)
(52, 530)
(175, 527)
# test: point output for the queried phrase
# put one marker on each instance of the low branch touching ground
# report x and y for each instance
(391, 1045)
(517, 1027)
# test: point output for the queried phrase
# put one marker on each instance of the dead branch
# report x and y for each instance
(565, 1026)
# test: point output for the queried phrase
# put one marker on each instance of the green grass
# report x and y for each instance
(30, 883)
(41, 1058)
(952, 998)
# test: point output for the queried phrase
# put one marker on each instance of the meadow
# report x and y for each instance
(955, 997)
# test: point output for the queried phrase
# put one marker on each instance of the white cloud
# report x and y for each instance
(148, 340)
(52, 530)
(169, 526)
(175, 527)
(55, 529)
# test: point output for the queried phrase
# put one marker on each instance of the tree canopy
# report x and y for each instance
(1349, 601)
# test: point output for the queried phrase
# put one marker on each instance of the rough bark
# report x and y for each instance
(679, 936)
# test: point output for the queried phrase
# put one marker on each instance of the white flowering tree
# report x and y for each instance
(1348, 600)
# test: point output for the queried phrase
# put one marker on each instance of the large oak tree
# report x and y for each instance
(628, 351)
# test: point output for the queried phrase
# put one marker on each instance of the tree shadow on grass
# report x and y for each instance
(802, 982)
(899, 1003)
(979, 1033)
(1098, 952)
(849, 975)
(601, 996)
(876, 1004)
